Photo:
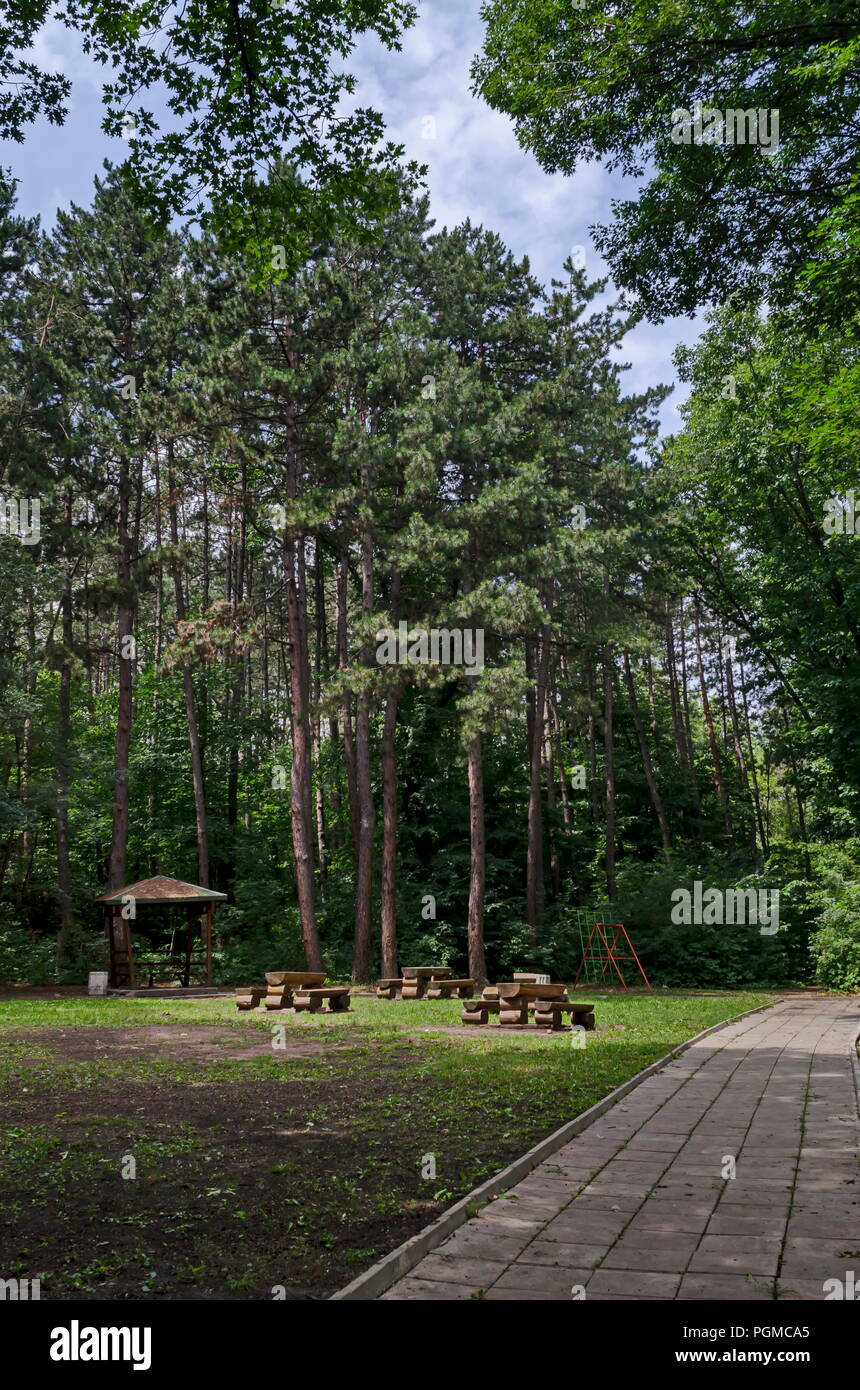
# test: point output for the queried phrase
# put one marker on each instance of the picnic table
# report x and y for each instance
(425, 982)
(164, 968)
(518, 999)
(302, 990)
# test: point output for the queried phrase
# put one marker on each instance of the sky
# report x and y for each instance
(476, 168)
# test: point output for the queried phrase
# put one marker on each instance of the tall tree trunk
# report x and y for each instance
(364, 788)
(389, 837)
(477, 863)
(549, 765)
(645, 752)
(152, 798)
(687, 723)
(736, 737)
(346, 705)
(719, 783)
(316, 727)
(753, 768)
(609, 763)
(64, 731)
(236, 564)
(566, 818)
(332, 827)
(300, 768)
(300, 733)
(24, 761)
(538, 662)
(566, 814)
(125, 622)
(364, 875)
(248, 749)
(593, 795)
(197, 778)
(681, 749)
(5, 770)
(389, 810)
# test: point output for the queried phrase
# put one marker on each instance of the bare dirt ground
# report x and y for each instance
(197, 1044)
(290, 1171)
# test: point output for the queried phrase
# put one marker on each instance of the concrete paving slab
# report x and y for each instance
(636, 1205)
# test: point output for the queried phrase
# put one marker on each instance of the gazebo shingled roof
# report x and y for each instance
(162, 889)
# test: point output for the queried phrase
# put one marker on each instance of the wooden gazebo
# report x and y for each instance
(199, 902)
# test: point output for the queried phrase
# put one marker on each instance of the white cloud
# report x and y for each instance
(58, 49)
(477, 169)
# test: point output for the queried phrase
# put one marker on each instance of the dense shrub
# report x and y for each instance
(835, 945)
(696, 956)
(24, 957)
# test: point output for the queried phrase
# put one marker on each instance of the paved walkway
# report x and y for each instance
(637, 1206)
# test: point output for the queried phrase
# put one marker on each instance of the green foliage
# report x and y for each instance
(705, 956)
(298, 422)
(602, 81)
(25, 958)
(242, 84)
(835, 945)
(256, 933)
(752, 478)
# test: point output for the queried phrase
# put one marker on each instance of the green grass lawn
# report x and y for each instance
(259, 1166)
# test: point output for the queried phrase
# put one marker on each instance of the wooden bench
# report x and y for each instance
(446, 989)
(249, 996)
(279, 997)
(548, 1014)
(311, 1000)
(388, 989)
(476, 1010)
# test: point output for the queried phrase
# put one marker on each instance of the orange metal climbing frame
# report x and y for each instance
(609, 954)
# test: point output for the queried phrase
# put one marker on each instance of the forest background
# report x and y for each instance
(243, 432)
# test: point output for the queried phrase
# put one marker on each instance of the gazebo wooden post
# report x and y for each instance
(210, 912)
(107, 917)
(189, 943)
(132, 974)
(121, 952)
